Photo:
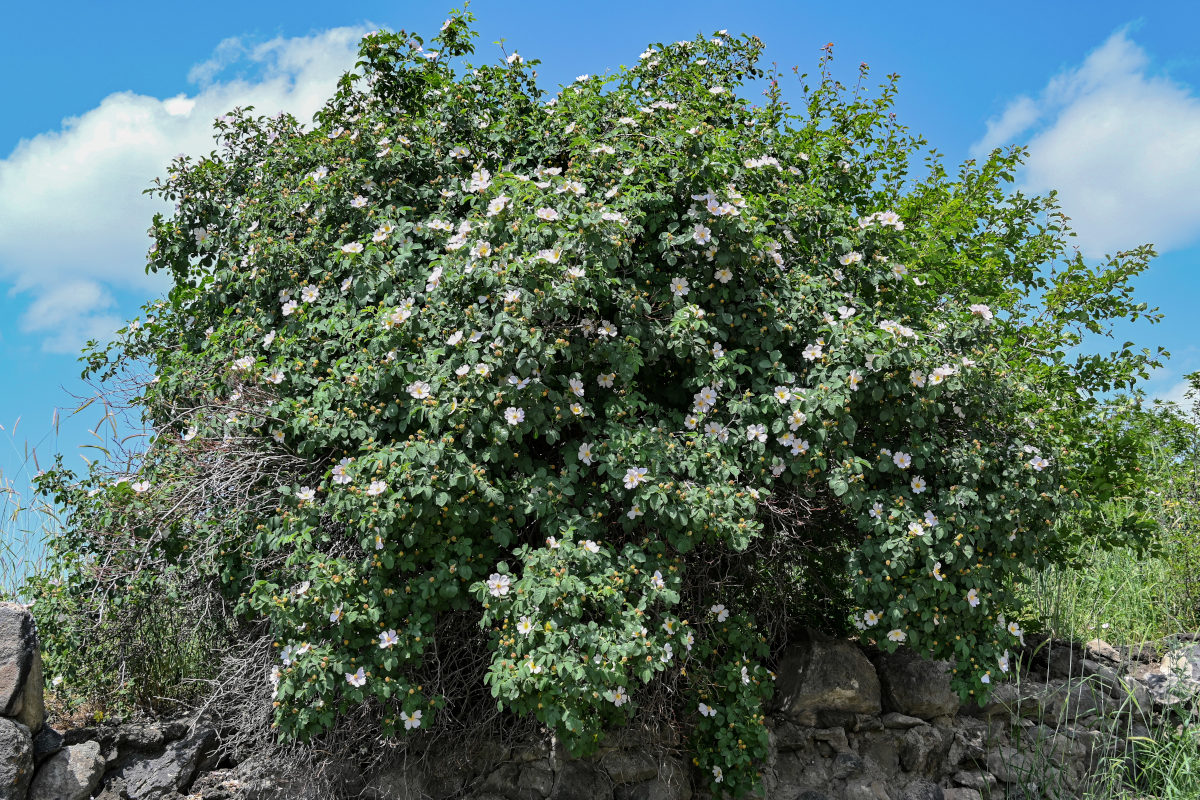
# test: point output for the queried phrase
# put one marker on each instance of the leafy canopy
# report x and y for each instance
(637, 378)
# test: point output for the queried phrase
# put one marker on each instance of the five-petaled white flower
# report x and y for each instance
(590, 546)
(420, 390)
(514, 416)
(352, 247)
(871, 618)
(812, 352)
(306, 495)
(758, 432)
(525, 626)
(357, 678)
(619, 697)
(376, 488)
(973, 598)
(917, 484)
(656, 580)
(387, 639)
(720, 611)
(937, 571)
(902, 459)
(576, 386)
(1039, 463)
(585, 453)
(546, 214)
(707, 710)
(411, 721)
(498, 585)
(679, 287)
(980, 310)
(606, 379)
(701, 234)
(897, 635)
(634, 476)
(140, 486)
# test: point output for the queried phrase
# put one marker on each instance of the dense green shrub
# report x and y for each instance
(635, 377)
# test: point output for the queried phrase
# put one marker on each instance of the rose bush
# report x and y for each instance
(638, 377)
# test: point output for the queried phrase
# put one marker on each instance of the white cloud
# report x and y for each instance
(75, 219)
(1120, 144)
(1175, 394)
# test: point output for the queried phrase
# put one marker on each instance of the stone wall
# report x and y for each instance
(848, 724)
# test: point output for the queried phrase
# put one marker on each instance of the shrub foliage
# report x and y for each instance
(632, 378)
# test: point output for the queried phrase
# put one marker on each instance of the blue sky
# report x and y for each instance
(99, 97)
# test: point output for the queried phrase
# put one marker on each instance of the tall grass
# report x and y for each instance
(1129, 599)
(25, 521)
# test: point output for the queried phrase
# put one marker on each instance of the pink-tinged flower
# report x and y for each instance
(387, 639)
(980, 310)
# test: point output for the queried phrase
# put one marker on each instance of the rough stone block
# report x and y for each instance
(915, 686)
(820, 674)
(70, 774)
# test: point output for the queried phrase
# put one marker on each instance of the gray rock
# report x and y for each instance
(1026, 699)
(820, 674)
(625, 766)
(924, 749)
(865, 789)
(915, 686)
(671, 783)
(18, 643)
(961, 793)
(978, 780)
(47, 742)
(398, 782)
(164, 775)
(894, 720)
(1011, 766)
(969, 746)
(1100, 650)
(1177, 681)
(32, 711)
(845, 764)
(70, 774)
(16, 760)
(580, 780)
(922, 790)
(538, 777)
